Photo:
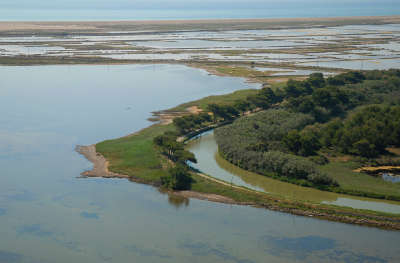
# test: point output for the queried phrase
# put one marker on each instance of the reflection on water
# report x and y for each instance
(175, 200)
(211, 163)
(178, 201)
(204, 147)
(48, 215)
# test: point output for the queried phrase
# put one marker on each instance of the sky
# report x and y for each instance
(187, 4)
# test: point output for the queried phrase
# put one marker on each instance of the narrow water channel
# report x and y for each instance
(210, 162)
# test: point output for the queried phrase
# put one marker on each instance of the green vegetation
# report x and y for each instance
(192, 122)
(255, 143)
(367, 133)
(305, 123)
(136, 155)
(360, 184)
(156, 155)
(148, 155)
(217, 99)
(178, 178)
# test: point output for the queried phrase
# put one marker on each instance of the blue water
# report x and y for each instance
(176, 14)
(48, 215)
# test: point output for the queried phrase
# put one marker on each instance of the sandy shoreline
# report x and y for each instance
(201, 24)
(100, 164)
(100, 169)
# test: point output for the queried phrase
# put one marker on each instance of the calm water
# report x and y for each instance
(49, 215)
(210, 162)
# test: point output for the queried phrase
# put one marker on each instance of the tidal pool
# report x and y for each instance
(210, 162)
(48, 215)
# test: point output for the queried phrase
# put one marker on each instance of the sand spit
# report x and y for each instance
(100, 164)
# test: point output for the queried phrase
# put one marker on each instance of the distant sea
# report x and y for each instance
(180, 14)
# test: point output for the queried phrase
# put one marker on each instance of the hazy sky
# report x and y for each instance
(193, 4)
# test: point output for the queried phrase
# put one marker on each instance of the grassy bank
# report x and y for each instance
(360, 184)
(217, 99)
(136, 156)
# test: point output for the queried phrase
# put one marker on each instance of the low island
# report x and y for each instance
(317, 132)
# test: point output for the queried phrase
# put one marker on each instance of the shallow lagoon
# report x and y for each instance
(47, 214)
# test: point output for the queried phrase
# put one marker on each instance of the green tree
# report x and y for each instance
(292, 141)
(178, 178)
(364, 148)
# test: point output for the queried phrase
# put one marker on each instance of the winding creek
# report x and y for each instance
(48, 214)
(211, 163)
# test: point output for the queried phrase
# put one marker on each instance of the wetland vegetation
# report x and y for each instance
(307, 124)
(264, 132)
(111, 100)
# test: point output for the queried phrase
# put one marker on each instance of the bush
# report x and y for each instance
(322, 179)
(319, 159)
(178, 178)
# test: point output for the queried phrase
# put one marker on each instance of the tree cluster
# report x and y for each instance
(367, 133)
(224, 112)
(284, 139)
(178, 177)
(287, 142)
(303, 143)
(256, 143)
(192, 122)
(322, 98)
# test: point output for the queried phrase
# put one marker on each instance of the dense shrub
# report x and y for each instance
(263, 130)
(255, 143)
(178, 178)
(191, 122)
(174, 150)
(366, 133)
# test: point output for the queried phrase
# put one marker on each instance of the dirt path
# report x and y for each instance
(225, 183)
(208, 197)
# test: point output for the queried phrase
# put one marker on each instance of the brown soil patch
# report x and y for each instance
(377, 168)
(194, 110)
(166, 117)
(394, 150)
